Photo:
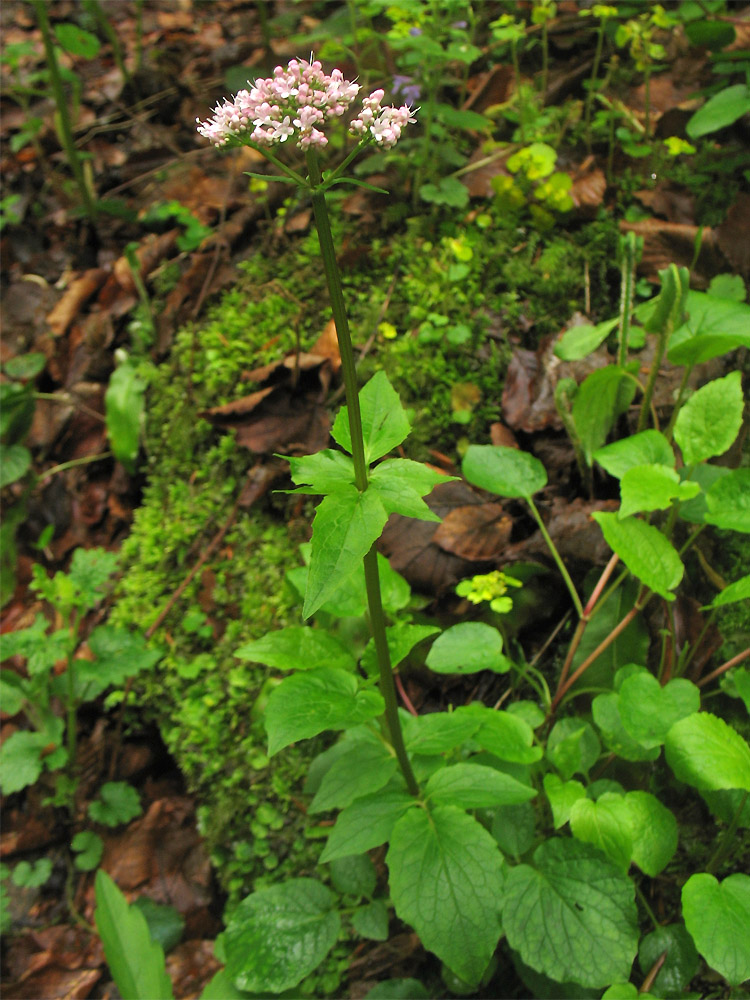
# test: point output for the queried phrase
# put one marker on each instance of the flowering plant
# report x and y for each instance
(297, 100)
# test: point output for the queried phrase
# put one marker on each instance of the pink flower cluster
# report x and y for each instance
(296, 101)
(384, 124)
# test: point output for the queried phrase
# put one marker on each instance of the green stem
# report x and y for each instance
(372, 580)
(556, 556)
(661, 346)
(66, 129)
(629, 254)
(72, 464)
(592, 83)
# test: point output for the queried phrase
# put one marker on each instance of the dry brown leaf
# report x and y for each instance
(77, 293)
(478, 532)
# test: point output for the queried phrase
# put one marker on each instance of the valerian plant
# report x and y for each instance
(499, 822)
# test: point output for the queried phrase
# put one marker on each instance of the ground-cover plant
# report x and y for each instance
(445, 790)
(49, 746)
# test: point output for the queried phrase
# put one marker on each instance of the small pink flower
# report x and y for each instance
(297, 100)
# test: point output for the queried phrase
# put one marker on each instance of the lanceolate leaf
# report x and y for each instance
(346, 525)
(311, 702)
(135, 961)
(384, 420)
(737, 591)
(325, 471)
(366, 767)
(601, 398)
(710, 420)
(717, 914)
(474, 786)
(297, 647)
(367, 822)
(705, 752)
(401, 484)
(572, 915)
(446, 878)
(645, 551)
(277, 936)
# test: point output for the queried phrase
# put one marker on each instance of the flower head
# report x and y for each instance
(299, 101)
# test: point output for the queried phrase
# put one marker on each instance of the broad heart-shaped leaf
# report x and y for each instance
(277, 936)
(572, 915)
(367, 822)
(648, 710)
(715, 913)
(605, 824)
(573, 747)
(680, 963)
(135, 961)
(646, 552)
(728, 501)
(467, 648)
(562, 796)
(706, 753)
(298, 648)
(311, 702)
(384, 420)
(325, 471)
(446, 880)
(606, 711)
(473, 786)
(118, 803)
(401, 484)
(715, 326)
(401, 640)
(21, 760)
(601, 398)
(710, 420)
(366, 767)
(654, 831)
(505, 471)
(346, 525)
(652, 487)
(644, 448)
